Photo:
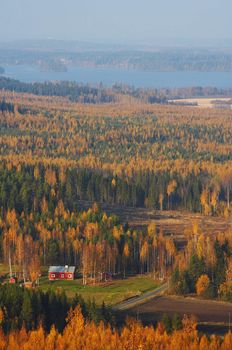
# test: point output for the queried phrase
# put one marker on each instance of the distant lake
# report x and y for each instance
(109, 76)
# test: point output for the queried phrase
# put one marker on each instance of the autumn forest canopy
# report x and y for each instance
(115, 175)
(55, 154)
(127, 153)
(108, 147)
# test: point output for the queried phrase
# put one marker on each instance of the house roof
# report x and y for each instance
(62, 269)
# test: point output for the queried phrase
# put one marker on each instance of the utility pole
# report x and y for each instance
(10, 266)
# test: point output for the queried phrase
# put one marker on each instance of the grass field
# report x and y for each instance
(112, 293)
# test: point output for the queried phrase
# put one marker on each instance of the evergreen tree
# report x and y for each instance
(176, 322)
(167, 322)
(195, 270)
(27, 311)
(220, 266)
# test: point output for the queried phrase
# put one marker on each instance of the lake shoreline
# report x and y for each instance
(110, 76)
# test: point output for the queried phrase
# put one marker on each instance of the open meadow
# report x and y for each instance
(111, 292)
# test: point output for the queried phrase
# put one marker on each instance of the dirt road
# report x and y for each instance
(134, 302)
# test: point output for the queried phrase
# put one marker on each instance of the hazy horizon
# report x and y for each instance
(167, 22)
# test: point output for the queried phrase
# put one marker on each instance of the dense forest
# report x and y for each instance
(204, 267)
(41, 224)
(54, 154)
(21, 307)
(96, 243)
(79, 334)
(74, 91)
(162, 157)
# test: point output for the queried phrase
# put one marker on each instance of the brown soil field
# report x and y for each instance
(211, 316)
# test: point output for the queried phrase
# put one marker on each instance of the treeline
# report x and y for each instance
(163, 95)
(86, 94)
(164, 60)
(82, 335)
(21, 307)
(25, 189)
(183, 59)
(74, 91)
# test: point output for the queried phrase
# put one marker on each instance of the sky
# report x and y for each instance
(117, 21)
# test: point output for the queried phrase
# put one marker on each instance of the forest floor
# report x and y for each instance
(172, 222)
(111, 293)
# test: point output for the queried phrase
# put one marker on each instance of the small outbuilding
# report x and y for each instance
(12, 280)
(61, 273)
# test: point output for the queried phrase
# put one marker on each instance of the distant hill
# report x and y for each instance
(143, 58)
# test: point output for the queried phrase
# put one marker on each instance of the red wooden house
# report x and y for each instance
(61, 273)
(12, 280)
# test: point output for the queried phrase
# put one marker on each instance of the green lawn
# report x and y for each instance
(114, 292)
(4, 269)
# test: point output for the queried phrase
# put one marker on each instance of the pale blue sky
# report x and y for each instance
(119, 21)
